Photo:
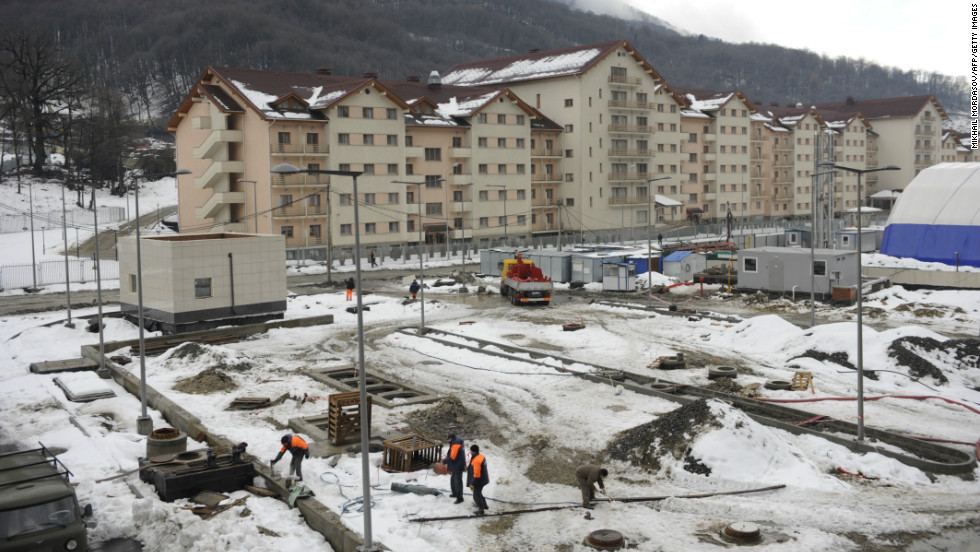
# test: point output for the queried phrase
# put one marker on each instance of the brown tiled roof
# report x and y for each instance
(883, 108)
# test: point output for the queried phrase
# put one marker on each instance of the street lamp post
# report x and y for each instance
(286, 168)
(64, 236)
(30, 199)
(421, 243)
(505, 206)
(813, 226)
(101, 371)
(650, 182)
(144, 424)
(860, 334)
(255, 205)
(462, 229)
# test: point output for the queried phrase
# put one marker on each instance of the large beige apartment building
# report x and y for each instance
(586, 139)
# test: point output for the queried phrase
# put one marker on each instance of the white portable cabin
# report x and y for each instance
(618, 277)
(787, 269)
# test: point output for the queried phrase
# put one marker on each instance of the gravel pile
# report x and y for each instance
(669, 435)
(839, 357)
(450, 415)
(918, 354)
(211, 380)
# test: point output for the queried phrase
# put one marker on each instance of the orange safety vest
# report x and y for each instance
(477, 464)
(454, 450)
(294, 442)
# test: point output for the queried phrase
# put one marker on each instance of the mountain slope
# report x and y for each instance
(154, 51)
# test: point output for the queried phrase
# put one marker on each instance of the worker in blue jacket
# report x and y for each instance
(478, 477)
(455, 463)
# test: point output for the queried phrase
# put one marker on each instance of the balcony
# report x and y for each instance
(229, 227)
(300, 149)
(710, 137)
(627, 176)
(546, 152)
(629, 104)
(216, 140)
(630, 129)
(412, 151)
(462, 178)
(289, 211)
(634, 199)
(543, 202)
(625, 152)
(546, 177)
(460, 153)
(623, 79)
(456, 209)
(291, 180)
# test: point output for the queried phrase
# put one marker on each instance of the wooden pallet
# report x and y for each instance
(344, 417)
(410, 453)
(802, 381)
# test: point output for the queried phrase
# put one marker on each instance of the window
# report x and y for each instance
(481, 142)
(391, 113)
(408, 141)
(202, 287)
(457, 142)
(819, 268)
(570, 202)
(501, 195)
(410, 226)
(484, 222)
(392, 198)
(369, 199)
(520, 143)
(501, 168)
(132, 283)
(393, 168)
(501, 119)
(520, 120)
(521, 194)
(285, 200)
(409, 169)
(283, 138)
(343, 138)
(343, 111)
(569, 177)
(481, 118)
(750, 264)
(345, 229)
(521, 220)
(370, 228)
(483, 195)
(313, 200)
(312, 139)
(501, 221)
(314, 230)
(433, 209)
(345, 199)
(393, 227)
(692, 138)
(368, 168)
(482, 168)
(569, 128)
(520, 168)
(692, 157)
(433, 154)
(568, 101)
(367, 112)
(367, 139)
(501, 142)
(692, 177)
(286, 231)
(568, 153)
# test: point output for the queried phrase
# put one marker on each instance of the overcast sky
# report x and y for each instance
(933, 35)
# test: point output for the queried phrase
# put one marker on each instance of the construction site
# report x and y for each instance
(720, 422)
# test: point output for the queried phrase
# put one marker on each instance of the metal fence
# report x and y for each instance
(52, 219)
(53, 272)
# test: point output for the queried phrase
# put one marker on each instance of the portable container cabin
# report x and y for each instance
(798, 237)
(787, 269)
(554, 264)
(683, 265)
(492, 260)
(618, 276)
(847, 239)
(587, 267)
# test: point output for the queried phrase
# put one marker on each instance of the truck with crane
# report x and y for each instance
(523, 283)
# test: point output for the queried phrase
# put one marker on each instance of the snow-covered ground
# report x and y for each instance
(540, 423)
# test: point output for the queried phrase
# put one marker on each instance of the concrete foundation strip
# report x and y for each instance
(928, 456)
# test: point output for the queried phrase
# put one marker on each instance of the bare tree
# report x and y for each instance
(37, 77)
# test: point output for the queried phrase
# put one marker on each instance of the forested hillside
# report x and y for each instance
(153, 51)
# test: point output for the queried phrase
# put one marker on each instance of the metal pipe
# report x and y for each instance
(64, 235)
(30, 194)
(231, 277)
(144, 425)
(102, 371)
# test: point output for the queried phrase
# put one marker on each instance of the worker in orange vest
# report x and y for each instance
(299, 449)
(478, 477)
(455, 463)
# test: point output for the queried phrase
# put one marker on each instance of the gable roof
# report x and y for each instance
(710, 101)
(884, 108)
(564, 62)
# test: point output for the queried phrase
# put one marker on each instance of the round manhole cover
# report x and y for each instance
(605, 539)
(165, 433)
(745, 531)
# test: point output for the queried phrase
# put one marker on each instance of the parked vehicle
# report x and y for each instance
(38, 507)
(525, 284)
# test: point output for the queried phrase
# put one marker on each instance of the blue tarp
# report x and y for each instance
(933, 243)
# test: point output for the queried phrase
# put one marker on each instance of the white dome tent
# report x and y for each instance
(937, 217)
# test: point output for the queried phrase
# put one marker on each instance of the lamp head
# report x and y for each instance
(285, 168)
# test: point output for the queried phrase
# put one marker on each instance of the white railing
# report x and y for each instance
(19, 276)
(52, 219)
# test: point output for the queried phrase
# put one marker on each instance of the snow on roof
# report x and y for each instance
(713, 103)
(524, 68)
(665, 201)
(465, 107)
